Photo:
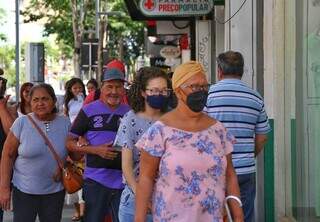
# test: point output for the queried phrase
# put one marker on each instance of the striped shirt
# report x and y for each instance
(242, 112)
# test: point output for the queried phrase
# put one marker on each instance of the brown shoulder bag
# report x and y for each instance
(71, 178)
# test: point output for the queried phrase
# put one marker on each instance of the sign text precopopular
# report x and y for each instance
(176, 7)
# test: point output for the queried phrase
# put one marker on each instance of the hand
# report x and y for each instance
(5, 198)
(4, 101)
(82, 142)
(106, 151)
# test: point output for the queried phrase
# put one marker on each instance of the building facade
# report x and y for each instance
(280, 40)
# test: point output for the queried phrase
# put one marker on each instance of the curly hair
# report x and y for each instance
(143, 76)
(69, 95)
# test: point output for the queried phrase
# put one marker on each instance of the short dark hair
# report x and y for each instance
(140, 82)
(49, 90)
(231, 63)
(93, 82)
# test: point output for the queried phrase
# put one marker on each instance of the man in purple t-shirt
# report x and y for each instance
(98, 123)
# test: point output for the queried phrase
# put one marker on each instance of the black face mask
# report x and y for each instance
(196, 101)
(157, 101)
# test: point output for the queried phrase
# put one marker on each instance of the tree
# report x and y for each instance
(2, 21)
(66, 19)
(69, 20)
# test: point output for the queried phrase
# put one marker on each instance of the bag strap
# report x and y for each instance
(47, 141)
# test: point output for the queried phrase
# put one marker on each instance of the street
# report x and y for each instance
(66, 215)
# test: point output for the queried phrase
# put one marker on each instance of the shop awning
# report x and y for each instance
(136, 14)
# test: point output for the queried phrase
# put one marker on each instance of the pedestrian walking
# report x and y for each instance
(186, 159)
(148, 96)
(73, 102)
(74, 97)
(6, 120)
(241, 110)
(98, 123)
(92, 85)
(24, 107)
(37, 190)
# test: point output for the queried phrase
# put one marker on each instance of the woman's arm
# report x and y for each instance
(233, 189)
(127, 168)
(9, 154)
(148, 170)
(5, 115)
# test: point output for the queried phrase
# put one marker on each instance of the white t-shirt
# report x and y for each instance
(74, 106)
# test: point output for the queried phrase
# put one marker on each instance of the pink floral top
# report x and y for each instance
(191, 183)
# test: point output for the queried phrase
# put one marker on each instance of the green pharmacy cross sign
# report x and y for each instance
(183, 8)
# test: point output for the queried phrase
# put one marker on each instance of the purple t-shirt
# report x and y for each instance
(99, 125)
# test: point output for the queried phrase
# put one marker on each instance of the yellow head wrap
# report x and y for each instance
(185, 71)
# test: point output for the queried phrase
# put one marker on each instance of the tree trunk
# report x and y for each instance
(121, 52)
(77, 34)
(102, 30)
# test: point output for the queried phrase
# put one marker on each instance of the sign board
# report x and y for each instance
(158, 62)
(89, 54)
(203, 45)
(170, 52)
(183, 8)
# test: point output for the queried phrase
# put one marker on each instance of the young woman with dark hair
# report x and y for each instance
(74, 97)
(24, 107)
(148, 98)
(92, 85)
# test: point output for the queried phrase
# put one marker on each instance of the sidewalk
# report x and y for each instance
(66, 214)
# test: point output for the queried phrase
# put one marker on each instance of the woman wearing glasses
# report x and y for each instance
(186, 159)
(148, 96)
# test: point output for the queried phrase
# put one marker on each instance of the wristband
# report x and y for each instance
(234, 198)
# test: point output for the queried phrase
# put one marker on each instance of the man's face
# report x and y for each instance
(112, 92)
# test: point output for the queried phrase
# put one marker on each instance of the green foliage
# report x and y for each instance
(131, 32)
(7, 62)
(3, 37)
(57, 17)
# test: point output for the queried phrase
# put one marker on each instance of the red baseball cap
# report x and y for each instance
(116, 64)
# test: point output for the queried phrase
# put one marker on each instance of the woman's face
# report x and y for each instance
(196, 83)
(90, 87)
(26, 93)
(76, 89)
(155, 87)
(42, 104)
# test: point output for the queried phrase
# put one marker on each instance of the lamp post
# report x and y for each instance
(17, 57)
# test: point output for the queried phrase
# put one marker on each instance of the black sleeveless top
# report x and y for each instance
(2, 138)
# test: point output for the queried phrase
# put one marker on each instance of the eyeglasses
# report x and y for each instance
(196, 88)
(155, 91)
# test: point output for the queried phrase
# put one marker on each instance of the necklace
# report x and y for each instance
(47, 126)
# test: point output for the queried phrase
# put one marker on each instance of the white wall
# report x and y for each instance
(240, 36)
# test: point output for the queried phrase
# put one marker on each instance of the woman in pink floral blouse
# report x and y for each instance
(188, 154)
